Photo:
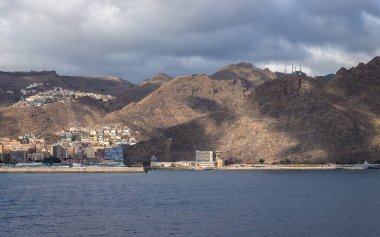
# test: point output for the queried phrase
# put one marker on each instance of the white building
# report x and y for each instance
(204, 156)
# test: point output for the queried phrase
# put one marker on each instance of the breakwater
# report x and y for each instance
(88, 169)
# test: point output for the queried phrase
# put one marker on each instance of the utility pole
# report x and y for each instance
(30, 67)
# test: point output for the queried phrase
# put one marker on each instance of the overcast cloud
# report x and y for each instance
(136, 39)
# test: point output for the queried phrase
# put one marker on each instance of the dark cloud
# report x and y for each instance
(137, 38)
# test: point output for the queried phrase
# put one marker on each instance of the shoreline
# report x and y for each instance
(96, 169)
(273, 167)
(88, 169)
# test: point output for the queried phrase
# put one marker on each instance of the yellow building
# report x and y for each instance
(219, 163)
(219, 159)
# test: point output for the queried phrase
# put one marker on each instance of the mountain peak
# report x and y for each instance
(245, 71)
(157, 79)
(237, 66)
(162, 77)
(245, 65)
(375, 61)
(342, 71)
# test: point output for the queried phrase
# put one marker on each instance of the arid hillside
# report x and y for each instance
(50, 117)
(292, 119)
(247, 113)
(15, 121)
(139, 91)
(178, 101)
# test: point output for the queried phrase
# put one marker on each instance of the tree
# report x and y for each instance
(146, 163)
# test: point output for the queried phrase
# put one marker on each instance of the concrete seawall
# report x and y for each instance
(72, 170)
(274, 167)
(279, 167)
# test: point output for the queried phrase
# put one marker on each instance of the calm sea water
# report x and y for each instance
(206, 203)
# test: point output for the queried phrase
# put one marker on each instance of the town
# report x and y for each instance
(36, 99)
(75, 146)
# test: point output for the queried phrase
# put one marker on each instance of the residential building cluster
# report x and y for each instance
(31, 89)
(25, 149)
(93, 146)
(75, 146)
(36, 99)
(89, 153)
(104, 136)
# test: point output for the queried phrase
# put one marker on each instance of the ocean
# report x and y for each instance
(192, 203)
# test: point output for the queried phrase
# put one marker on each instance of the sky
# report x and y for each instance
(136, 39)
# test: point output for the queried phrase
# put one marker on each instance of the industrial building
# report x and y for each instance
(204, 156)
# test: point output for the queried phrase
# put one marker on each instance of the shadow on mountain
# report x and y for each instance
(133, 94)
(203, 105)
(286, 120)
(318, 125)
(138, 92)
(180, 142)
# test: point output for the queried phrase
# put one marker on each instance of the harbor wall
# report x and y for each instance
(281, 167)
(72, 170)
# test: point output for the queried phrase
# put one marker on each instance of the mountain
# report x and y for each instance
(107, 85)
(178, 101)
(51, 117)
(360, 85)
(328, 77)
(292, 119)
(139, 91)
(12, 84)
(42, 120)
(246, 71)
